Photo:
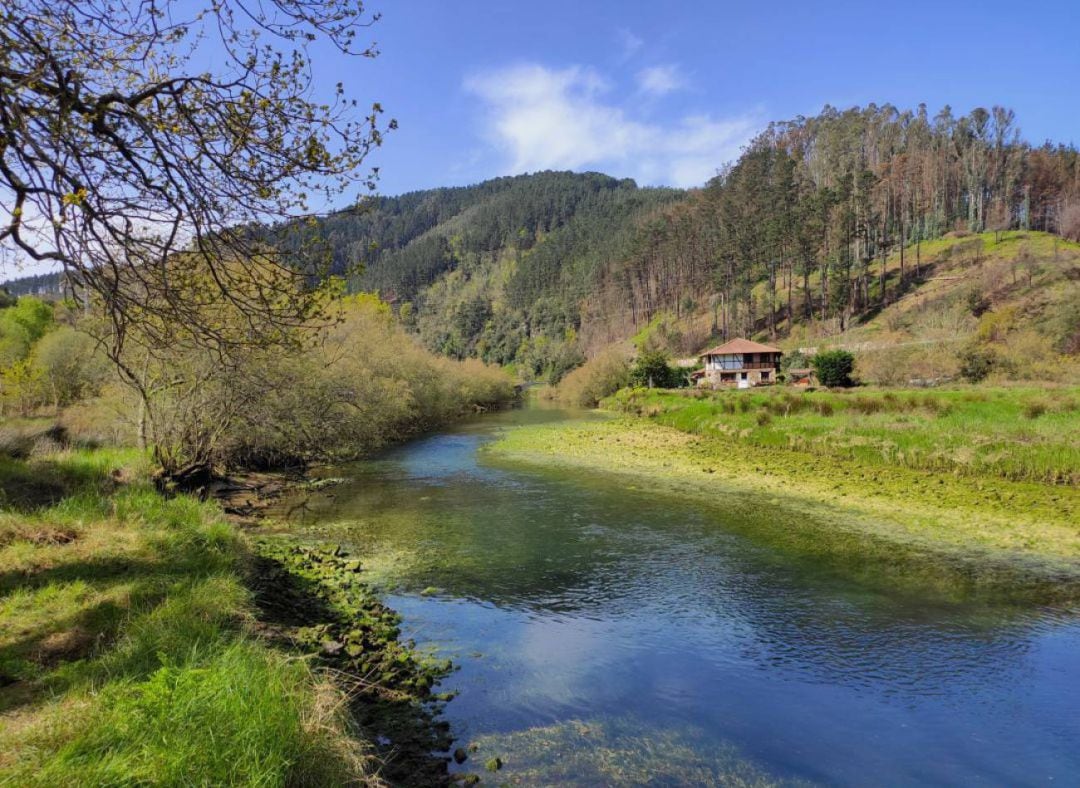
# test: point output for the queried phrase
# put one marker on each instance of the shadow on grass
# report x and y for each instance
(90, 570)
(74, 646)
(65, 639)
(29, 485)
(390, 705)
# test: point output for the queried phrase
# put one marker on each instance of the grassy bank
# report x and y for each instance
(1021, 434)
(127, 645)
(828, 500)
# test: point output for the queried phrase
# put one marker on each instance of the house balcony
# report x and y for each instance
(742, 367)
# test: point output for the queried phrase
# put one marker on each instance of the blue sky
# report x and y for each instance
(667, 92)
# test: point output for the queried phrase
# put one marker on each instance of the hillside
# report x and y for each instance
(43, 285)
(499, 270)
(913, 239)
(870, 227)
(1012, 298)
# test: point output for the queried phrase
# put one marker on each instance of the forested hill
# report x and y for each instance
(819, 226)
(498, 270)
(815, 206)
(47, 285)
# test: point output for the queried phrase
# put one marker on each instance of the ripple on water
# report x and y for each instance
(609, 635)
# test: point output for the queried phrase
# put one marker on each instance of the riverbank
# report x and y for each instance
(930, 527)
(1018, 433)
(132, 624)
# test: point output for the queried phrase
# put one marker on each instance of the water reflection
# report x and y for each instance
(570, 597)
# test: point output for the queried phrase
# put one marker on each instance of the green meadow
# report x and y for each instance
(1021, 434)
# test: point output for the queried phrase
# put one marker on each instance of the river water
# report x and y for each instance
(609, 634)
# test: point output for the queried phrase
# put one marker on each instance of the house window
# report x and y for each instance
(765, 375)
(742, 375)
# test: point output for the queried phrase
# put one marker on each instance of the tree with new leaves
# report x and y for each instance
(834, 367)
(140, 140)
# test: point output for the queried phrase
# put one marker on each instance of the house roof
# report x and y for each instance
(741, 345)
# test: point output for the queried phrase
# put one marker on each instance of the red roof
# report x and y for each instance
(741, 346)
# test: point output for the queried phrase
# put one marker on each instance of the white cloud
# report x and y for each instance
(661, 80)
(629, 43)
(546, 118)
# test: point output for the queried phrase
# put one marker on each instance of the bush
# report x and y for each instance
(834, 367)
(977, 363)
(977, 303)
(600, 376)
(793, 360)
(70, 365)
(1034, 409)
(652, 369)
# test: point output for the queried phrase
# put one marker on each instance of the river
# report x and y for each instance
(608, 634)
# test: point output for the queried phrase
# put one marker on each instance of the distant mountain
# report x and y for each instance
(42, 285)
(822, 226)
(499, 270)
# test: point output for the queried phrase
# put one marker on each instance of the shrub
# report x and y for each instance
(977, 363)
(1034, 409)
(834, 367)
(652, 369)
(69, 364)
(599, 377)
(866, 405)
(793, 360)
(977, 303)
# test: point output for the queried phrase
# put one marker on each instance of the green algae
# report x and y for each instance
(958, 533)
(314, 599)
(618, 752)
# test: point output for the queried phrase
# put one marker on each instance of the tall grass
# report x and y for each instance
(126, 652)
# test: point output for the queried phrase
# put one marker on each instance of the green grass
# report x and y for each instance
(125, 643)
(1020, 434)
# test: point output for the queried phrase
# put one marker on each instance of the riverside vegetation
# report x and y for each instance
(126, 634)
(131, 623)
(982, 480)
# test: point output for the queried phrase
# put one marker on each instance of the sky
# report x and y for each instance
(666, 93)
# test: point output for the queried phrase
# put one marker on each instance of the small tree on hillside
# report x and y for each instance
(834, 367)
(653, 371)
(1000, 219)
